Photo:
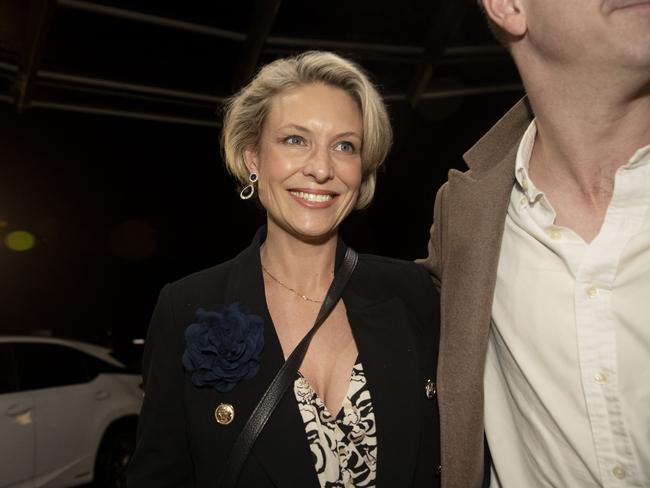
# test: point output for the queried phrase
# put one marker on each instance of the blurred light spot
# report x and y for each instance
(24, 418)
(134, 240)
(138, 342)
(3, 224)
(20, 240)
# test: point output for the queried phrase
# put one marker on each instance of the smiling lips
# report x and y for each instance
(313, 199)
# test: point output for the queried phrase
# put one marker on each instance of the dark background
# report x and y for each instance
(109, 129)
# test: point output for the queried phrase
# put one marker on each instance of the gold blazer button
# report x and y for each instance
(224, 413)
(430, 389)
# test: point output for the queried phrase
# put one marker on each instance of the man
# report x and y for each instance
(542, 250)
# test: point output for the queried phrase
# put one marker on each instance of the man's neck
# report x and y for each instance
(586, 131)
(585, 136)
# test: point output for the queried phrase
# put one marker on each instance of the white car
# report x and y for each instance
(68, 414)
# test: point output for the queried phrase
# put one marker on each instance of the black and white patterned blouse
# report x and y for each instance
(345, 447)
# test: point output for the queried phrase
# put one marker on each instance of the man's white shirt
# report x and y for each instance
(567, 378)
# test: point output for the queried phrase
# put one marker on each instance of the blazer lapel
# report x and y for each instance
(281, 448)
(392, 375)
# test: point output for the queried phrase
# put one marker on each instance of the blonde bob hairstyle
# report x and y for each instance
(246, 110)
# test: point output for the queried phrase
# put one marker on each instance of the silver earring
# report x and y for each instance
(249, 190)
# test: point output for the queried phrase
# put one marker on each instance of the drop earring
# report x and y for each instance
(249, 190)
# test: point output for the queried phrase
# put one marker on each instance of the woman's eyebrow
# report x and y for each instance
(295, 127)
(346, 134)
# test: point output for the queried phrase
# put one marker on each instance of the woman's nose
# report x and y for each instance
(320, 165)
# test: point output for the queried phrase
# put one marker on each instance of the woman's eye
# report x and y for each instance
(294, 140)
(346, 146)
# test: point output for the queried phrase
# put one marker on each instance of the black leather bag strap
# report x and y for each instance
(284, 378)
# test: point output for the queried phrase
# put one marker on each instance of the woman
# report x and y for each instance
(305, 137)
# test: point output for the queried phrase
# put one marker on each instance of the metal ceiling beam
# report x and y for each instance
(211, 99)
(459, 92)
(275, 41)
(202, 97)
(428, 95)
(122, 96)
(127, 90)
(8, 67)
(120, 85)
(38, 25)
(70, 107)
(258, 32)
(157, 117)
(446, 21)
(97, 8)
(127, 14)
(334, 45)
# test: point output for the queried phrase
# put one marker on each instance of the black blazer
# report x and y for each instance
(392, 308)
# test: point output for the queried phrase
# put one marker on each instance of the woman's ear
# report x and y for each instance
(251, 159)
(509, 15)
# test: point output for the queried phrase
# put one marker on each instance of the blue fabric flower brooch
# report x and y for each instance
(224, 346)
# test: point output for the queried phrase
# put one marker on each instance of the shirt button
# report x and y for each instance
(601, 378)
(524, 201)
(619, 472)
(592, 291)
(555, 234)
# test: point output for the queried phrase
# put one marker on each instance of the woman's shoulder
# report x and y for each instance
(213, 279)
(214, 274)
(381, 274)
(384, 279)
(208, 288)
(402, 270)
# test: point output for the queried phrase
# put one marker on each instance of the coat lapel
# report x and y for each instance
(391, 368)
(477, 205)
(282, 448)
(285, 427)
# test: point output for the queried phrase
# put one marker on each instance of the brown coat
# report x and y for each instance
(469, 217)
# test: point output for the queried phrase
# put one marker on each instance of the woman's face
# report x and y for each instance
(309, 160)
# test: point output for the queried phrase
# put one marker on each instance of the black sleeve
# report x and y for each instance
(426, 302)
(162, 458)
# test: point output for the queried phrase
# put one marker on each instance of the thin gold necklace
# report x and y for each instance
(304, 297)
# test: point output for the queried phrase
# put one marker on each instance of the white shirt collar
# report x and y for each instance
(522, 164)
(640, 158)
